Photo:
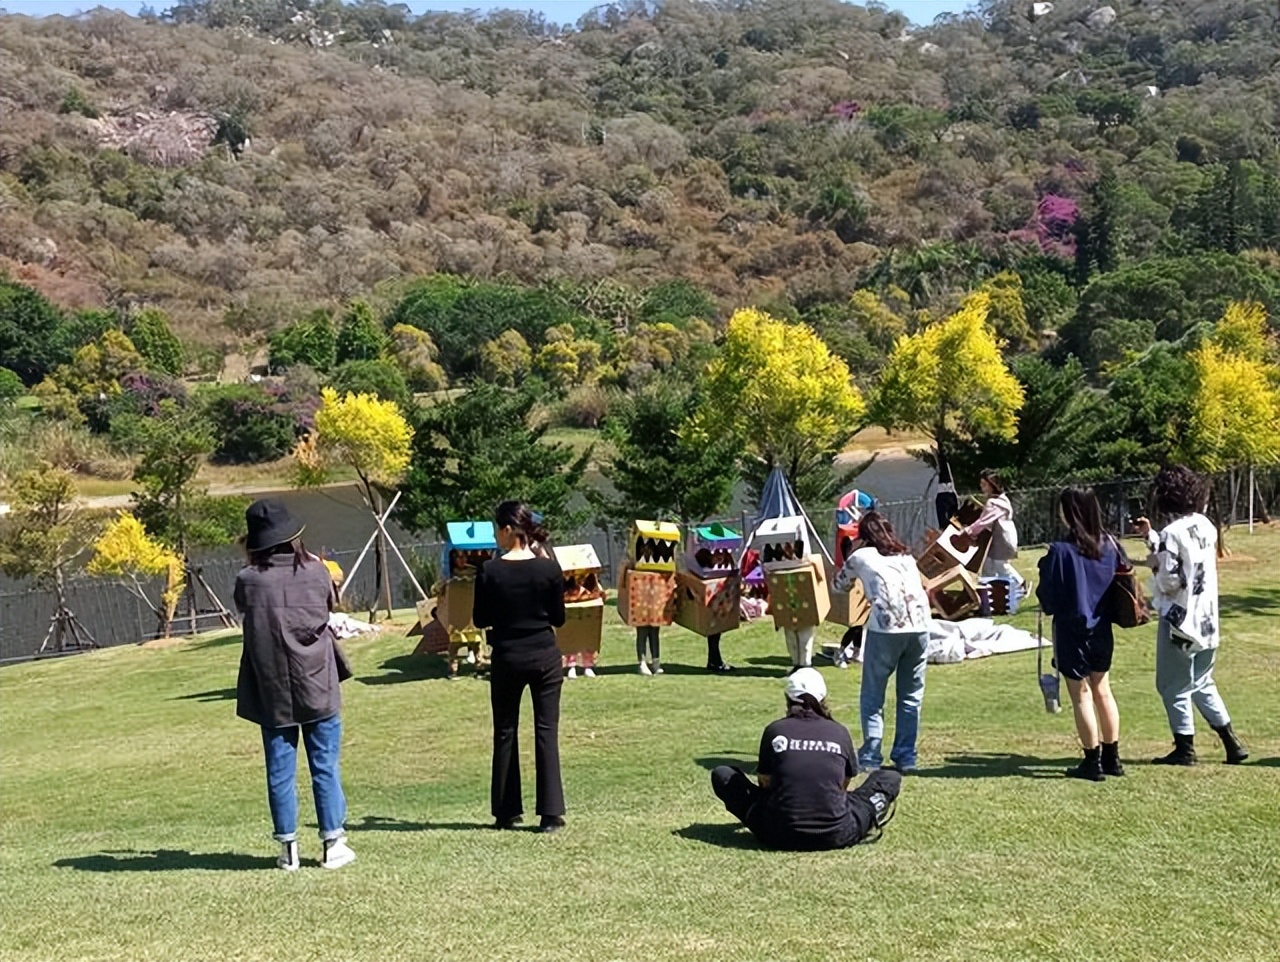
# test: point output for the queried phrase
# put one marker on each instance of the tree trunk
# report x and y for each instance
(381, 572)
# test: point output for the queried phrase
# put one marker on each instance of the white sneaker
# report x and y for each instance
(588, 672)
(337, 853)
(657, 667)
(288, 860)
(573, 672)
(644, 668)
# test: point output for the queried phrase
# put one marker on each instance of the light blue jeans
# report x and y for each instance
(884, 654)
(322, 740)
(1185, 677)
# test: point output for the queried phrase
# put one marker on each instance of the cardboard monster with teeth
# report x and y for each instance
(647, 582)
(798, 598)
(469, 546)
(583, 600)
(709, 591)
(783, 544)
(652, 546)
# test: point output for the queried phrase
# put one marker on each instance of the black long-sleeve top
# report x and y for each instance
(521, 603)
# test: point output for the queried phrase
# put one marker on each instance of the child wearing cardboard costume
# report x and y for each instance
(581, 587)
(795, 578)
(647, 586)
(711, 562)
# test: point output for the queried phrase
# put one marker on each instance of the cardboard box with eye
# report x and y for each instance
(469, 545)
(583, 599)
(713, 551)
(653, 545)
(783, 544)
(708, 606)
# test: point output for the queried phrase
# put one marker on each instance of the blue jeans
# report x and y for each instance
(884, 654)
(322, 739)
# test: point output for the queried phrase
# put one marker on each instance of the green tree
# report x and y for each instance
(310, 341)
(506, 360)
(28, 331)
(659, 467)
(382, 379)
(416, 355)
(159, 346)
(11, 386)
(478, 449)
(360, 335)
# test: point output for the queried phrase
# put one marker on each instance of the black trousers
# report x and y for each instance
(741, 797)
(509, 676)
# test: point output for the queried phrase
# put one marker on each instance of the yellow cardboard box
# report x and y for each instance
(653, 546)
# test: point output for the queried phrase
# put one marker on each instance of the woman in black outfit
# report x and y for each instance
(520, 600)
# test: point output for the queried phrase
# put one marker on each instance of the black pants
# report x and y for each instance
(741, 797)
(647, 636)
(714, 658)
(509, 675)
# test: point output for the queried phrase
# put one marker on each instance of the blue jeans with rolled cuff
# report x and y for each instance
(322, 740)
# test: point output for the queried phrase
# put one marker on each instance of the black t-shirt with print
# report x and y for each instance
(808, 759)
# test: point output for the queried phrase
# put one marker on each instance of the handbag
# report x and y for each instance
(1049, 686)
(1124, 604)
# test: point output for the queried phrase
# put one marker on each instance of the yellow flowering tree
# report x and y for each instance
(125, 550)
(949, 380)
(1235, 410)
(371, 437)
(778, 389)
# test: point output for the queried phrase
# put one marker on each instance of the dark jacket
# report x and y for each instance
(288, 669)
(1072, 586)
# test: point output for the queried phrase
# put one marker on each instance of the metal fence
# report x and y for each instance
(115, 616)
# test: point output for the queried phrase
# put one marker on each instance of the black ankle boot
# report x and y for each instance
(1089, 769)
(1111, 759)
(1236, 752)
(1184, 752)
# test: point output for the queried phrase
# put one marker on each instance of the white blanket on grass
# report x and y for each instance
(344, 626)
(954, 641)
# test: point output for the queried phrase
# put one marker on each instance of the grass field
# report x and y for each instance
(135, 824)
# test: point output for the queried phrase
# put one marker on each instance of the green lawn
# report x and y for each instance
(135, 824)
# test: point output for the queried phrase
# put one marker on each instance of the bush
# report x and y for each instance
(310, 341)
(252, 424)
(379, 378)
(11, 386)
(360, 338)
(583, 407)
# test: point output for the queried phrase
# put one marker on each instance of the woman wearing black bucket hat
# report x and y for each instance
(289, 675)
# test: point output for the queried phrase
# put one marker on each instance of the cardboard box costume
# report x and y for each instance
(797, 599)
(848, 608)
(948, 575)
(708, 606)
(783, 544)
(583, 600)
(469, 545)
(652, 546)
(646, 599)
(713, 551)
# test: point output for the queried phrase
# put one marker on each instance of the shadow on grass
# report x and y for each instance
(166, 860)
(404, 668)
(1254, 601)
(997, 765)
(213, 643)
(1262, 763)
(217, 694)
(722, 834)
(736, 760)
(382, 823)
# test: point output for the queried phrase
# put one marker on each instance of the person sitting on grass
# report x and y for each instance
(802, 800)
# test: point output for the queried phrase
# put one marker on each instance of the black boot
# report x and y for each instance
(1236, 752)
(1184, 752)
(1090, 768)
(1111, 759)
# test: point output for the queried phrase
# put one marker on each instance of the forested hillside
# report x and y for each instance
(237, 162)
(1043, 235)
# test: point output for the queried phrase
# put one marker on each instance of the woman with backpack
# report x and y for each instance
(1075, 574)
(997, 517)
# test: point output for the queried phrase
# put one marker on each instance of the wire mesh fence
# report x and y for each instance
(116, 616)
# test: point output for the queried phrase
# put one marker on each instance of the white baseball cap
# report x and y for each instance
(806, 681)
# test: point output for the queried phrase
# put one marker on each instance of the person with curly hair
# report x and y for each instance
(1185, 564)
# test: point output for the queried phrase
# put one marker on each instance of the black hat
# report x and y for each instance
(270, 524)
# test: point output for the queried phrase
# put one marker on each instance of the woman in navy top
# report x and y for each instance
(1074, 577)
